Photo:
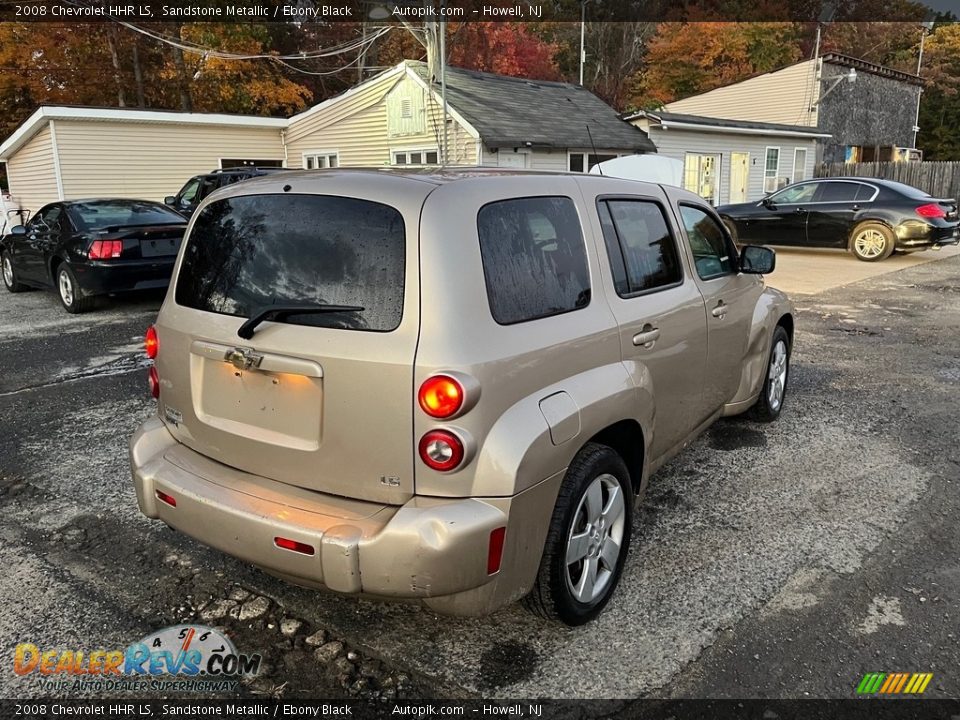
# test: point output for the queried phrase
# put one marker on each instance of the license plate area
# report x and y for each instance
(159, 247)
(278, 408)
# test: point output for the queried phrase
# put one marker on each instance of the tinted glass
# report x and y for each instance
(838, 192)
(534, 259)
(796, 194)
(254, 251)
(636, 235)
(188, 195)
(47, 220)
(908, 190)
(96, 215)
(712, 253)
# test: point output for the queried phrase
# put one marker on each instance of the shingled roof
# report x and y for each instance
(515, 112)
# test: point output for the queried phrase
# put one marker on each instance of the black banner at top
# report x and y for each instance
(305, 11)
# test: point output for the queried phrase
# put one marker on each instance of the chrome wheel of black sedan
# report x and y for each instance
(86, 248)
(869, 217)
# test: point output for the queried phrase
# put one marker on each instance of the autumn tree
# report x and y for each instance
(503, 48)
(684, 59)
(939, 135)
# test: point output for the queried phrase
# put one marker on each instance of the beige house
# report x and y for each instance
(394, 118)
(63, 153)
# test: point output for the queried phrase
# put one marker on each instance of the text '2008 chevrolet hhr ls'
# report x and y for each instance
(449, 386)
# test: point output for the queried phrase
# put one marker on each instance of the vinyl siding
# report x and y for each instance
(783, 96)
(150, 161)
(675, 143)
(32, 172)
(540, 159)
(357, 127)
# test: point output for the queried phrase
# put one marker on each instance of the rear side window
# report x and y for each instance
(838, 192)
(643, 255)
(250, 252)
(534, 259)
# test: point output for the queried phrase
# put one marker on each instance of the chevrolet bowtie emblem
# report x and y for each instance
(243, 359)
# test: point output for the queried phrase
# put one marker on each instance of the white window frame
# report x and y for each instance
(776, 173)
(586, 155)
(327, 154)
(407, 150)
(715, 200)
(803, 169)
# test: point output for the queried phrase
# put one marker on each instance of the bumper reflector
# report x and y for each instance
(293, 545)
(168, 499)
(495, 554)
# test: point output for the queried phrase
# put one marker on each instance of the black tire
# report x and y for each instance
(75, 301)
(552, 596)
(768, 408)
(868, 251)
(9, 273)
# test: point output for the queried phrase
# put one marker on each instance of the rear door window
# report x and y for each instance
(254, 251)
(838, 192)
(643, 255)
(534, 258)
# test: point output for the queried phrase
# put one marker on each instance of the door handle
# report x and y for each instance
(801, 211)
(720, 310)
(647, 336)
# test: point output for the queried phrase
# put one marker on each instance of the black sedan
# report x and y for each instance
(871, 218)
(85, 248)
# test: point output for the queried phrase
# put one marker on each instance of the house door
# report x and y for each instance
(739, 174)
(701, 174)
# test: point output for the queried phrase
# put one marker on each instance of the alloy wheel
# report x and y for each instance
(595, 539)
(870, 243)
(777, 375)
(66, 288)
(7, 271)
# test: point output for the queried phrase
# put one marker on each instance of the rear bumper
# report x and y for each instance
(916, 235)
(100, 278)
(431, 549)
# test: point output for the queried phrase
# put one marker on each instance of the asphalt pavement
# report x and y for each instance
(781, 560)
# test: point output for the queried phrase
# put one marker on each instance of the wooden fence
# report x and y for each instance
(940, 179)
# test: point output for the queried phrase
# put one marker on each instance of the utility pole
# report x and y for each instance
(925, 27)
(583, 26)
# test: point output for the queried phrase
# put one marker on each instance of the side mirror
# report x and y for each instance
(768, 203)
(18, 230)
(170, 200)
(757, 260)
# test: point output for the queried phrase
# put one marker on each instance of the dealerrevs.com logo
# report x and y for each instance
(190, 658)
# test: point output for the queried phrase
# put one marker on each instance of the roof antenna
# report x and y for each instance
(595, 153)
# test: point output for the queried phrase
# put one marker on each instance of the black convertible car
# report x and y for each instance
(871, 218)
(85, 248)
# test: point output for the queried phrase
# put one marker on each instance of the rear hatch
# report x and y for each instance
(320, 400)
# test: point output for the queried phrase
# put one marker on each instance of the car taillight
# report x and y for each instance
(150, 343)
(931, 210)
(288, 544)
(105, 249)
(441, 450)
(154, 382)
(440, 396)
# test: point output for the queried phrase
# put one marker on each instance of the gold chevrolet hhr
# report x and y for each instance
(449, 386)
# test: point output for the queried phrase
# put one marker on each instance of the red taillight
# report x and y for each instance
(154, 382)
(105, 249)
(495, 553)
(441, 450)
(288, 544)
(440, 396)
(150, 342)
(931, 210)
(168, 499)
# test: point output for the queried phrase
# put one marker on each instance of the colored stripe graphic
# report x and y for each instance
(894, 683)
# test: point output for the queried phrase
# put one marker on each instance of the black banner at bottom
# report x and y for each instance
(855, 709)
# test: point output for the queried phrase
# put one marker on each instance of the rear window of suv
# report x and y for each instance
(534, 259)
(249, 252)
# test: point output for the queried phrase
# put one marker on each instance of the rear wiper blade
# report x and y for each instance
(280, 311)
